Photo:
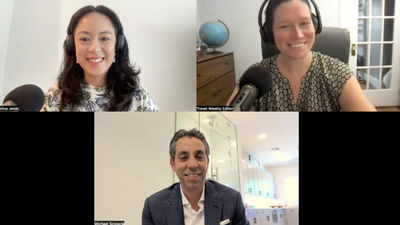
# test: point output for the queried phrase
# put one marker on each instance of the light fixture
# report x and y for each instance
(262, 136)
(275, 149)
(281, 157)
(205, 121)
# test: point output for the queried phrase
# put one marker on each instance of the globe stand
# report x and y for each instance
(214, 51)
(203, 50)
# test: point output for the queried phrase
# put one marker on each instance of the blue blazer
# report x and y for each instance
(220, 203)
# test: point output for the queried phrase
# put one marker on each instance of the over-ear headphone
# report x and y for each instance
(70, 45)
(267, 36)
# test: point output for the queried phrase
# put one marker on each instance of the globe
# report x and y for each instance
(214, 34)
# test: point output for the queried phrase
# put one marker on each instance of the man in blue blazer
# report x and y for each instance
(194, 200)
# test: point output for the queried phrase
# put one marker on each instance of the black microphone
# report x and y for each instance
(27, 97)
(254, 83)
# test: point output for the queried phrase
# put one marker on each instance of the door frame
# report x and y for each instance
(348, 19)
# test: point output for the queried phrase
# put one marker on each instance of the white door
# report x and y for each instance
(221, 160)
(375, 36)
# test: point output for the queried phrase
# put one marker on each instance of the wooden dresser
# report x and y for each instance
(215, 79)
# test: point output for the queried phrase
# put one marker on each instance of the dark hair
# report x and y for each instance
(194, 133)
(121, 79)
(269, 14)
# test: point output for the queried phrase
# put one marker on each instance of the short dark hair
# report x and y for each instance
(193, 133)
(269, 14)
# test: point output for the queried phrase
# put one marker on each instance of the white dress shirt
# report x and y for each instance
(190, 215)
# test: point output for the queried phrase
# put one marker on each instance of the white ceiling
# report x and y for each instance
(282, 129)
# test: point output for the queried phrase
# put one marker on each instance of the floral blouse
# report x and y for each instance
(96, 99)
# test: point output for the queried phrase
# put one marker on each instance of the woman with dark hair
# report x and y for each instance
(96, 72)
(303, 80)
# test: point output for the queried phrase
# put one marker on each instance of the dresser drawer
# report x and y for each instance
(210, 70)
(218, 92)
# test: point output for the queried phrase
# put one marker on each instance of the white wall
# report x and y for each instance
(33, 49)
(6, 10)
(280, 173)
(198, 20)
(330, 12)
(131, 162)
(161, 36)
(241, 17)
(241, 169)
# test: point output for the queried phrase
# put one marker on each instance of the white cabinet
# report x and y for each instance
(254, 180)
(260, 178)
(249, 179)
(256, 216)
(265, 184)
(281, 220)
(257, 180)
(245, 171)
(250, 215)
(271, 186)
(277, 217)
(267, 217)
(291, 216)
(280, 216)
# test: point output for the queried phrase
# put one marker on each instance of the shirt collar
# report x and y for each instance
(186, 202)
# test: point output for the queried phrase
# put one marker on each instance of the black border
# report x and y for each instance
(48, 162)
(347, 166)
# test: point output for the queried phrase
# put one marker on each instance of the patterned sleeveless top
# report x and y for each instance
(320, 87)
